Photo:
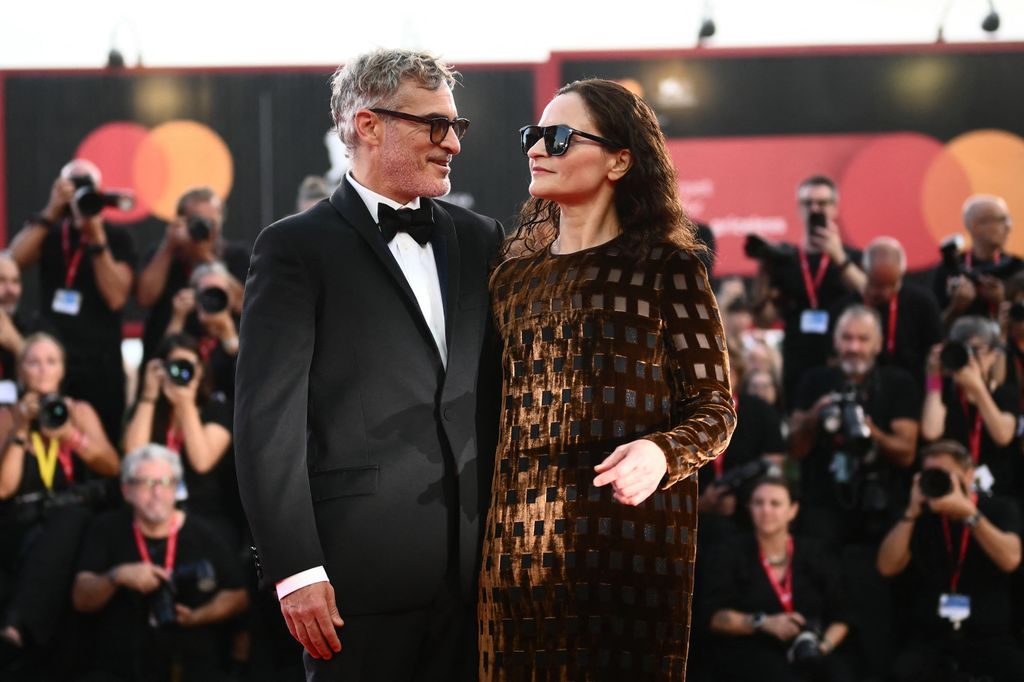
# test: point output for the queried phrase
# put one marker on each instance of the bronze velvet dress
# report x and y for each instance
(599, 350)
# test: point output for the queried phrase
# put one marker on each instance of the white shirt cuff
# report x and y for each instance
(300, 580)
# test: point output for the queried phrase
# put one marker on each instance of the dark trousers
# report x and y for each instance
(433, 644)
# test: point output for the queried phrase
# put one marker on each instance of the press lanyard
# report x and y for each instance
(974, 437)
(207, 345)
(47, 458)
(965, 536)
(719, 462)
(809, 284)
(174, 439)
(172, 546)
(71, 261)
(890, 343)
(783, 590)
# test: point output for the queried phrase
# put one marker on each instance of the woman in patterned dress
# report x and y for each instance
(616, 390)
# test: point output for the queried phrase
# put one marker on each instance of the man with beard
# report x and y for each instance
(364, 346)
(855, 431)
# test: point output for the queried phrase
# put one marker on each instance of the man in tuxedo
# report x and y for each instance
(367, 390)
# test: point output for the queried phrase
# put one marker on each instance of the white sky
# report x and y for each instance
(79, 33)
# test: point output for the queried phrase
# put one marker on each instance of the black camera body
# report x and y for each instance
(844, 420)
(805, 649)
(954, 356)
(860, 481)
(33, 507)
(212, 300)
(765, 251)
(950, 250)
(180, 371)
(199, 228)
(53, 411)
(935, 483)
(735, 479)
(197, 577)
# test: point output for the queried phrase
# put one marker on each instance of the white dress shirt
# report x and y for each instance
(420, 270)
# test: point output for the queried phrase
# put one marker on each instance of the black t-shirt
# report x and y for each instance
(928, 574)
(1001, 461)
(736, 580)
(124, 641)
(234, 256)
(801, 351)
(758, 432)
(944, 279)
(887, 394)
(8, 362)
(918, 328)
(96, 329)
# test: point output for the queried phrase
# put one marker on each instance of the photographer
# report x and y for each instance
(207, 305)
(12, 328)
(963, 403)
(85, 275)
(776, 599)
(177, 409)
(971, 283)
(159, 581)
(956, 551)
(51, 447)
(910, 316)
(803, 283)
(193, 238)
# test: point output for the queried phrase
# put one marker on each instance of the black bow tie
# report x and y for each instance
(418, 223)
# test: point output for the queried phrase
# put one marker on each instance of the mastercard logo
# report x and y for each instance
(913, 186)
(158, 165)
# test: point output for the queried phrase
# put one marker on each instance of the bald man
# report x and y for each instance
(987, 220)
(910, 316)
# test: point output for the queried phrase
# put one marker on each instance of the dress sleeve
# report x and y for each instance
(697, 367)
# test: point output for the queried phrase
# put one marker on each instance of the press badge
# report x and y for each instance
(956, 608)
(67, 301)
(983, 479)
(814, 322)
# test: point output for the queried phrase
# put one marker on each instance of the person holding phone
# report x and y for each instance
(800, 284)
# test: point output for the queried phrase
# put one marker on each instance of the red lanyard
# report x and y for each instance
(71, 261)
(719, 462)
(172, 546)
(974, 437)
(809, 284)
(890, 342)
(174, 439)
(207, 345)
(965, 536)
(783, 590)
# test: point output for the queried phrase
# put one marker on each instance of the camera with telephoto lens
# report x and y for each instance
(91, 201)
(765, 251)
(33, 507)
(950, 249)
(805, 649)
(860, 482)
(734, 479)
(53, 411)
(180, 371)
(935, 483)
(212, 300)
(199, 228)
(954, 356)
(193, 579)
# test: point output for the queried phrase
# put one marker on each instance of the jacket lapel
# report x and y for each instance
(446, 254)
(349, 204)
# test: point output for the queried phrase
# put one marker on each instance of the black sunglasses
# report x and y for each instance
(439, 125)
(557, 138)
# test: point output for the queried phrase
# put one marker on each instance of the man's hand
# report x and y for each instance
(784, 626)
(717, 499)
(963, 295)
(970, 380)
(956, 505)
(184, 302)
(61, 194)
(991, 289)
(176, 235)
(187, 617)
(634, 470)
(140, 576)
(917, 498)
(312, 617)
(828, 241)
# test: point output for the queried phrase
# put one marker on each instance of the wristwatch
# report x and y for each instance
(756, 620)
(95, 249)
(973, 520)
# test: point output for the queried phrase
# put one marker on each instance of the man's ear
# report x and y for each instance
(369, 128)
(622, 161)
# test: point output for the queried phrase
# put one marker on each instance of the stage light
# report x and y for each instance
(707, 25)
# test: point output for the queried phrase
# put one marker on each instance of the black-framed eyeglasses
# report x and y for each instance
(151, 483)
(557, 138)
(439, 125)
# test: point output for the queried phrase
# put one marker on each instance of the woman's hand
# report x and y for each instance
(154, 376)
(26, 410)
(634, 470)
(784, 626)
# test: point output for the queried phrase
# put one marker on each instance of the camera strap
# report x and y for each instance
(71, 261)
(965, 537)
(890, 341)
(48, 456)
(207, 344)
(172, 546)
(174, 439)
(974, 436)
(784, 589)
(810, 285)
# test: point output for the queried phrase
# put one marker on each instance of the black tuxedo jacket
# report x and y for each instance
(355, 448)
